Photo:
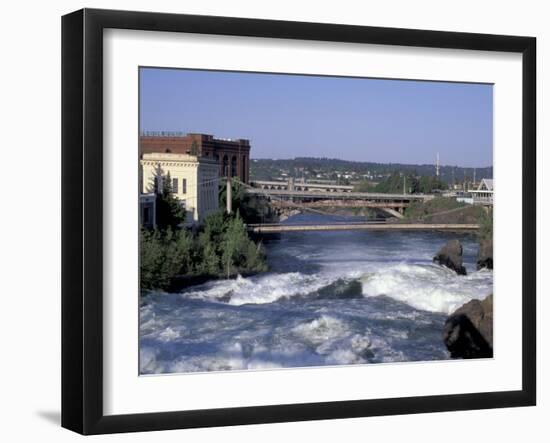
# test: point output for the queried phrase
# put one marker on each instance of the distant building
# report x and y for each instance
(194, 181)
(232, 156)
(484, 192)
(292, 185)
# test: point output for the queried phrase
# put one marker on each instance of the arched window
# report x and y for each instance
(233, 166)
(225, 165)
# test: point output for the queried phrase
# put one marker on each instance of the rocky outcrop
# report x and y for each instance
(468, 332)
(485, 255)
(450, 256)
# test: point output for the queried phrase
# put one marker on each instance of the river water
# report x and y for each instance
(330, 298)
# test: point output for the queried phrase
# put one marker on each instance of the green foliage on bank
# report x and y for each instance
(251, 208)
(396, 183)
(418, 210)
(164, 254)
(448, 210)
(170, 213)
(365, 186)
(486, 226)
(220, 248)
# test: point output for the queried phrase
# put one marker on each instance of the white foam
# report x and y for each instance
(259, 289)
(321, 330)
(428, 287)
(196, 330)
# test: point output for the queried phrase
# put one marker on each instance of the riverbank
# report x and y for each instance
(445, 211)
(448, 211)
(468, 331)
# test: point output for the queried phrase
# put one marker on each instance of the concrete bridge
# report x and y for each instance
(392, 204)
(335, 195)
(350, 226)
(393, 209)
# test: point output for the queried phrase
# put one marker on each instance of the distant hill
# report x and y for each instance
(350, 171)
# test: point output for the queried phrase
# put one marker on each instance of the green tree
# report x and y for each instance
(237, 193)
(163, 256)
(169, 210)
(429, 184)
(255, 257)
(221, 248)
(251, 208)
(486, 225)
(235, 239)
(214, 226)
(210, 260)
(391, 185)
(412, 184)
(150, 258)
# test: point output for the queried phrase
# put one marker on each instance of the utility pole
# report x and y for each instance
(228, 196)
(404, 184)
(437, 165)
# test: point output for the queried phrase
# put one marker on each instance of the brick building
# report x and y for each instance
(233, 156)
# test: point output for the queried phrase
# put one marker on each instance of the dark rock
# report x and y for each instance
(340, 289)
(468, 332)
(485, 255)
(450, 256)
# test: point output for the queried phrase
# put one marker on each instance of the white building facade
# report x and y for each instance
(484, 192)
(194, 180)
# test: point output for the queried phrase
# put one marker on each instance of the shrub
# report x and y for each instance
(163, 255)
(221, 248)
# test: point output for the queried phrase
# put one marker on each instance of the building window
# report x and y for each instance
(225, 166)
(233, 166)
(175, 185)
(184, 186)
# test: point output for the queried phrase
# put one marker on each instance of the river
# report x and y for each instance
(330, 298)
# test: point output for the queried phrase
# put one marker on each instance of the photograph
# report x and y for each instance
(291, 220)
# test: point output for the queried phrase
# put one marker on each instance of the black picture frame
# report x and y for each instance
(82, 218)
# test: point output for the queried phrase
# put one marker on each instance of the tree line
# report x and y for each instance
(398, 183)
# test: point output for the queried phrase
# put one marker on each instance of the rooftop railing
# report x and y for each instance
(162, 134)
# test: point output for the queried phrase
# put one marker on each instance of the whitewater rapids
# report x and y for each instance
(330, 298)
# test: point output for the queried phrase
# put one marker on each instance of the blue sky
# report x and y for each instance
(287, 116)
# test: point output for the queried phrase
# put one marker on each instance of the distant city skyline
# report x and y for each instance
(356, 119)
